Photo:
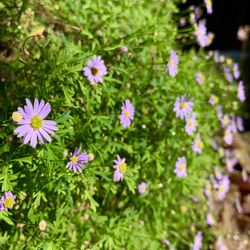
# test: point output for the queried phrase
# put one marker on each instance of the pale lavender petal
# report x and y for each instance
(45, 134)
(45, 111)
(28, 136)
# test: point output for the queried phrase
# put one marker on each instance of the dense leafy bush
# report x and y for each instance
(46, 45)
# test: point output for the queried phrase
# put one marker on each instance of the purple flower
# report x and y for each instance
(127, 115)
(209, 6)
(7, 201)
(244, 175)
(198, 145)
(230, 163)
(238, 205)
(223, 187)
(183, 107)
(203, 38)
(183, 22)
(95, 70)
(199, 78)
(197, 12)
(172, 65)
(241, 92)
(165, 242)
(33, 126)
(236, 71)
(216, 56)
(228, 74)
(142, 188)
(239, 123)
(225, 121)
(197, 241)
(77, 161)
(228, 136)
(220, 245)
(210, 219)
(213, 100)
(219, 112)
(190, 124)
(123, 49)
(181, 167)
(120, 168)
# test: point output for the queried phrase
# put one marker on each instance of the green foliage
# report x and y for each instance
(89, 210)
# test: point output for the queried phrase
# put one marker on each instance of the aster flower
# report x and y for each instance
(201, 34)
(216, 56)
(197, 241)
(225, 121)
(220, 245)
(213, 100)
(230, 163)
(183, 107)
(210, 219)
(197, 12)
(77, 161)
(240, 124)
(120, 168)
(33, 127)
(200, 78)
(209, 6)
(165, 242)
(219, 112)
(228, 136)
(223, 187)
(95, 70)
(241, 92)
(172, 65)
(190, 124)
(198, 145)
(7, 201)
(228, 74)
(181, 167)
(236, 71)
(208, 189)
(127, 115)
(142, 188)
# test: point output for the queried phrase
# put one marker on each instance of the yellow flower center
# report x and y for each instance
(183, 105)
(74, 159)
(143, 188)
(190, 123)
(17, 116)
(127, 114)
(171, 63)
(181, 167)
(36, 122)
(94, 71)
(123, 168)
(222, 188)
(9, 202)
(209, 3)
(200, 145)
(215, 99)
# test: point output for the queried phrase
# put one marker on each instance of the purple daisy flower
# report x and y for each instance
(228, 74)
(236, 71)
(165, 242)
(228, 136)
(197, 241)
(225, 121)
(142, 188)
(200, 78)
(201, 34)
(209, 6)
(33, 126)
(240, 124)
(230, 163)
(183, 107)
(219, 112)
(210, 219)
(7, 201)
(198, 145)
(190, 124)
(127, 115)
(223, 187)
(120, 168)
(95, 70)
(213, 100)
(77, 161)
(181, 167)
(172, 65)
(220, 245)
(241, 92)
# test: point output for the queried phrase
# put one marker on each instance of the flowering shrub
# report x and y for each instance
(137, 176)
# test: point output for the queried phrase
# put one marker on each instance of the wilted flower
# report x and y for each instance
(142, 188)
(33, 127)
(210, 219)
(123, 49)
(172, 65)
(236, 71)
(127, 115)
(198, 145)
(95, 70)
(17, 116)
(77, 161)
(241, 92)
(209, 6)
(213, 99)
(199, 78)
(183, 107)
(197, 241)
(42, 225)
(238, 206)
(120, 168)
(7, 201)
(190, 124)
(181, 167)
